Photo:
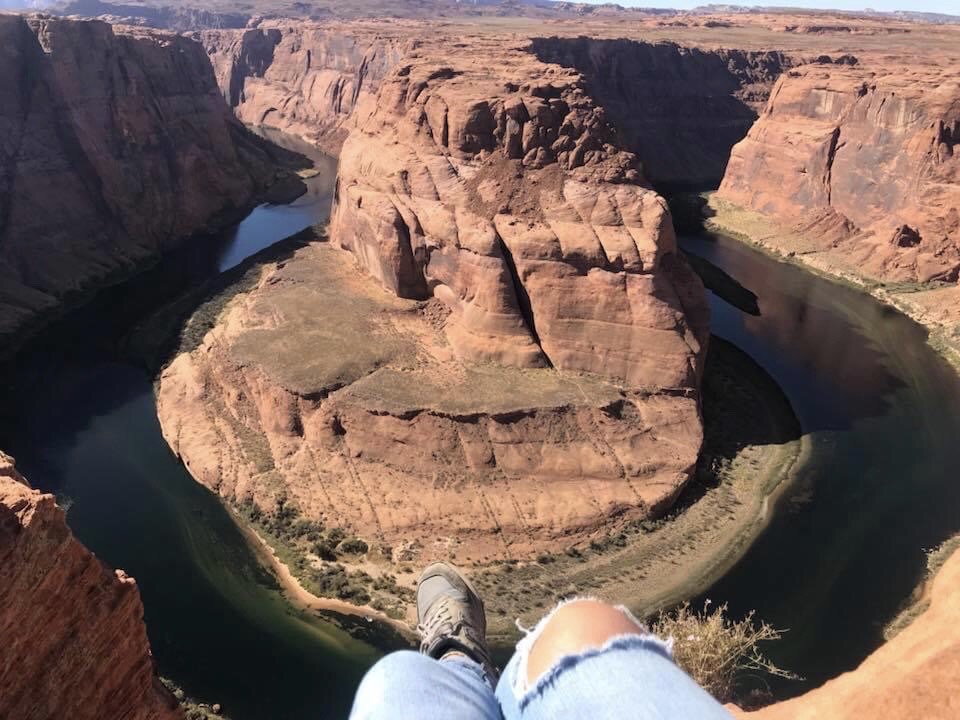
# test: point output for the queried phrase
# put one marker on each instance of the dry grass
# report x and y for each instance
(716, 651)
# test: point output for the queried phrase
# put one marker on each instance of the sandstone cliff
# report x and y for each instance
(71, 630)
(518, 368)
(862, 164)
(306, 81)
(680, 109)
(115, 145)
(915, 675)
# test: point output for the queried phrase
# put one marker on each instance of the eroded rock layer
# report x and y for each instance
(526, 368)
(71, 630)
(114, 145)
(306, 81)
(863, 162)
(680, 109)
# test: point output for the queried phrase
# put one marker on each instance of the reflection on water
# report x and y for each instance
(280, 221)
(81, 422)
(882, 413)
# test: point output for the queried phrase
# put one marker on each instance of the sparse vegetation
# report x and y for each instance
(353, 546)
(313, 554)
(716, 651)
(192, 708)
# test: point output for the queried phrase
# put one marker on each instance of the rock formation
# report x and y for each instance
(71, 630)
(912, 676)
(680, 109)
(115, 145)
(863, 162)
(527, 365)
(306, 81)
(684, 110)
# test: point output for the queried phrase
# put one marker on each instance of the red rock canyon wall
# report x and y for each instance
(864, 162)
(115, 145)
(72, 639)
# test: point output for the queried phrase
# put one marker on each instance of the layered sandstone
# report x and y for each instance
(115, 145)
(915, 675)
(680, 109)
(502, 351)
(71, 630)
(306, 81)
(862, 164)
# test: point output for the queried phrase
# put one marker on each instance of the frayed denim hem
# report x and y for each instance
(525, 694)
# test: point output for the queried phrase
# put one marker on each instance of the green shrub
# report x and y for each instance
(335, 535)
(324, 551)
(353, 546)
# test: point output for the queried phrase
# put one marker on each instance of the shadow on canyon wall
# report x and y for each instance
(680, 109)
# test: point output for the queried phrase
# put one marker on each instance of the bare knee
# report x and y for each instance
(576, 627)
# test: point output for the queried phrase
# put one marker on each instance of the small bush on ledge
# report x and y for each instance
(715, 650)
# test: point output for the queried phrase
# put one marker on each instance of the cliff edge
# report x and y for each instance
(915, 675)
(115, 145)
(74, 643)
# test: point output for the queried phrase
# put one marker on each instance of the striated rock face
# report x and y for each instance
(679, 109)
(912, 676)
(306, 81)
(508, 199)
(864, 162)
(361, 416)
(74, 643)
(500, 354)
(114, 145)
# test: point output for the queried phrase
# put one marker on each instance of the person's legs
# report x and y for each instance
(409, 686)
(453, 676)
(590, 660)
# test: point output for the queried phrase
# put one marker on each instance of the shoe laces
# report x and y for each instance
(439, 618)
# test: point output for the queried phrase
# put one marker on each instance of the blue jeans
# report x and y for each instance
(631, 676)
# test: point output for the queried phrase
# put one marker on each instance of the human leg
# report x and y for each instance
(407, 685)
(590, 660)
(453, 676)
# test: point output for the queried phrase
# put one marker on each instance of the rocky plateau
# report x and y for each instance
(536, 336)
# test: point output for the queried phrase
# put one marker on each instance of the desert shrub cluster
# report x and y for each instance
(717, 651)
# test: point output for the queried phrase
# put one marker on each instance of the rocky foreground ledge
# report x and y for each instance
(912, 676)
(74, 642)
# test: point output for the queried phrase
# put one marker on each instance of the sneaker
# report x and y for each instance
(451, 616)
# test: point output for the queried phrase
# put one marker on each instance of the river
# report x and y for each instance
(80, 419)
(880, 412)
(844, 548)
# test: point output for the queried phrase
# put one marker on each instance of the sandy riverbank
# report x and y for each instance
(301, 598)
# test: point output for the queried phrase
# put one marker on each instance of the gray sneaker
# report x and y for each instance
(451, 616)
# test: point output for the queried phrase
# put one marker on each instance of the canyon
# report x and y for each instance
(495, 350)
(495, 206)
(126, 133)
